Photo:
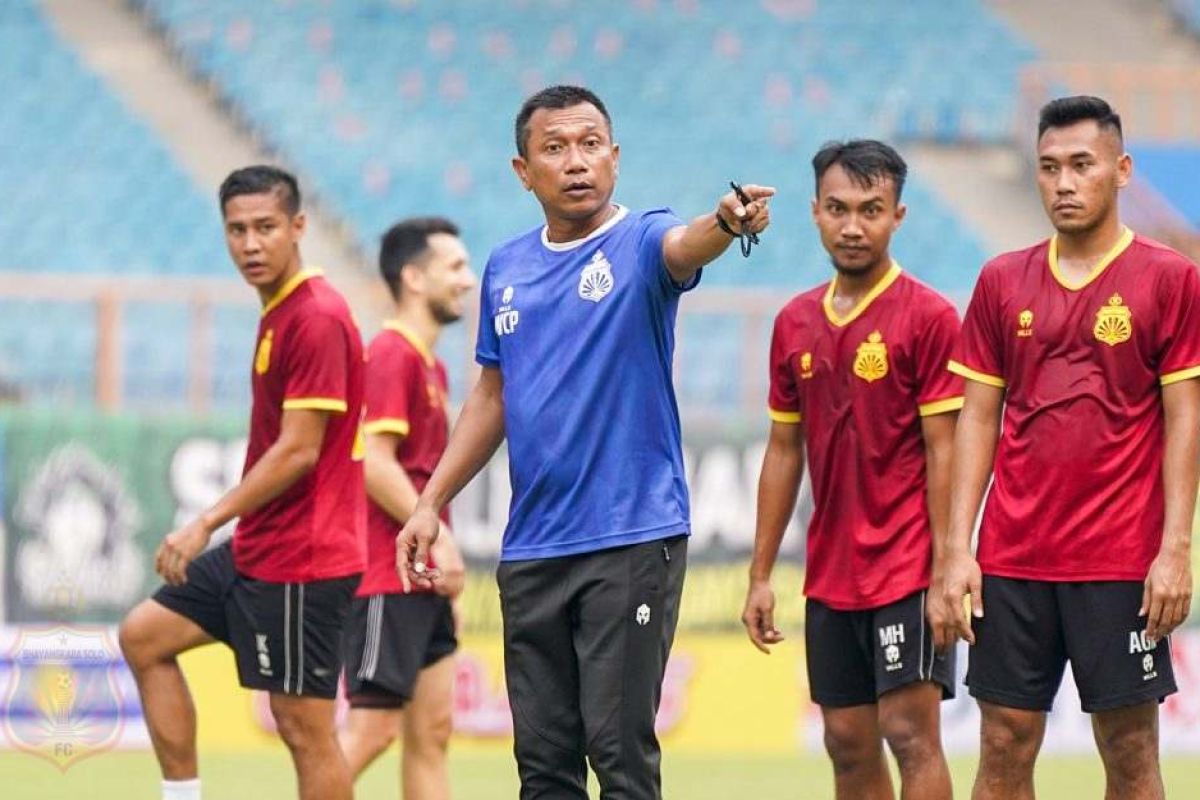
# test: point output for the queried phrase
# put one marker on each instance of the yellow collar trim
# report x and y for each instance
(1109, 257)
(888, 279)
(289, 287)
(413, 339)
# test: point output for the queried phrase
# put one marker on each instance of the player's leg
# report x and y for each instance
(628, 610)
(912, 680)
(1122, 677)
(1015, 669)
(151, 637)
(428, 722)
(429, 718)
(854, 743)
(373, 688)
(1128, 742)
(154, 633)
(1009, 741)
(288, 641)
(542, 678)
(306, 725)
(841, 680)
(910, 719)
(367, 734)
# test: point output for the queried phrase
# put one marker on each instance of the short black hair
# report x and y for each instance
(1066, 111)
(866, 161)
(554, 97)
(405, 243)
(261, 179)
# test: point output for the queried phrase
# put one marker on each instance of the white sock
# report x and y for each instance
(181, 790)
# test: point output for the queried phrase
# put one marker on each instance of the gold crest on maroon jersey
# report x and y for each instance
(870, 361)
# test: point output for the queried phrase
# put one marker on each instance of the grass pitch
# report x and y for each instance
(491, 776)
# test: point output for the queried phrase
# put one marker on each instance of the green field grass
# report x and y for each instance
(133, 776)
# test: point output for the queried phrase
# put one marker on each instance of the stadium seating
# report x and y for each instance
(1189, 12)
(91, 190)
(1161, 166)
(70, 144)
(393, 107)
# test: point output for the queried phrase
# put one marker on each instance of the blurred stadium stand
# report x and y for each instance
(1189, 12)
(94, 193)
(98, 192)
(1161, 166)
(396, 107)
(399, 108)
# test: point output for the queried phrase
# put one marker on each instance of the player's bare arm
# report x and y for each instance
(1168, 593)
(477, 434)
(689, 247)
(387, 482)
(292, 455)
(389, 486)
(974, 451)
(937, 431)
(778, 485)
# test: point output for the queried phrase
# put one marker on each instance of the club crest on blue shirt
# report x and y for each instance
(596, 279)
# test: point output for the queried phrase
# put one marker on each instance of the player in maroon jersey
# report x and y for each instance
(399, 676)
(278, 594)
(859, 381)
(1086, 346)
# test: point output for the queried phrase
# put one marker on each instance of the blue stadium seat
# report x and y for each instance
(95, 192)
(393, 108)
(1162, 166)
(1189, 12)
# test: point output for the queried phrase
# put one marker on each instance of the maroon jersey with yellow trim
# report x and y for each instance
(1077, 491)
(309, 355)
(406, 391)
(859, 385)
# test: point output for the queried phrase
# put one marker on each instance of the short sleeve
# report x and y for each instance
(487, 342)
(783, 402)
(652, 228)
(978, 356)
(938, 389)
(316, 364)
(392, 374)
(1179, 328)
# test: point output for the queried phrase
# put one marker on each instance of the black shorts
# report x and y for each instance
(854, 657)
(391, 638)
(1031, 629)
(287, 637)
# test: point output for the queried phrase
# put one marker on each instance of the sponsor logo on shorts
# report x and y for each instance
(642, 615)
(1140, 643)
(890, 639)
(264, 655)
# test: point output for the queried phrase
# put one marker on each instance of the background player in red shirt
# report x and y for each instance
(279, 593)
(398, 647)
(859, 378)
(1088, 345)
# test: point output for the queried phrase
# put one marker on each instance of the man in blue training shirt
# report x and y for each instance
(575, 340)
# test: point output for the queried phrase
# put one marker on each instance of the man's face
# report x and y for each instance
(570, 161)
(262, 238)
(446, 277)
(856, 222)
(1080, 169)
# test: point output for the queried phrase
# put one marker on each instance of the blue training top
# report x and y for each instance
(583, 333)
